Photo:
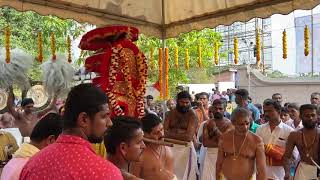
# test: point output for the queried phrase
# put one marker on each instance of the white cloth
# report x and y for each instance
(290, 123)
(185, 161)
(278, 136)
(16, 134)
(305, 172)
(200, 132)
(208, 164)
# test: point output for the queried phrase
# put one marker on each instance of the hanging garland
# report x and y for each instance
(216, 53)
(176, 56)
(306, 40)
(69, 49)
(151, 60)
(53, 46)
(258, 46)
(187, 59)
(200, 56)
(284, 45)
(236, 50)
(160, 72)
(7, 44)
(40, 48)
(167, 72)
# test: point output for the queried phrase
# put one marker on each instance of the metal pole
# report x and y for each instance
(312, 55)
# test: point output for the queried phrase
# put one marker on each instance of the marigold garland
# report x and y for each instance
(40, 48)
(200, 56)
(284, 45)
(187, 59)
(69, 49)
(167, 72)
(151, 60)
(216, 53)
(160, 63)
(306, 40)
(236, 50)
(7, 44)
(176, 58)
(53, 46)
(258, 46)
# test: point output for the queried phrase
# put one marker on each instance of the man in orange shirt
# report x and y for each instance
(202, 108)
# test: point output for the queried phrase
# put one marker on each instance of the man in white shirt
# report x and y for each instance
(274, 135)
(295, 122)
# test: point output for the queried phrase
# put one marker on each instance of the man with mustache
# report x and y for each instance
(85, 121)
(180, 124)
(157, 160)
(124, 144)
(209, 134)
(307, 142)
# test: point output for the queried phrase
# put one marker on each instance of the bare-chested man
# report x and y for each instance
(26, 119)
(180, 124)
(240, 151)
(307, 142)
(156, 162)
(210, 134)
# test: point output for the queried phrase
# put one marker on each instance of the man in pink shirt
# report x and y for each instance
(44, 133)
(86, 118)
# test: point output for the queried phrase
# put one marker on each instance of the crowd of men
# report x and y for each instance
(197, 139)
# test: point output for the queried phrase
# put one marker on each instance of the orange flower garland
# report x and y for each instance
(7, 44)
(53, 46)
(167, 72)
(160, 72)
(187, 59)
(258, 46)
(306, 40)
(40, 48)
(69, 49)
(236, 50)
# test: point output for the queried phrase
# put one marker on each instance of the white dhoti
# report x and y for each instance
(305, 172)
(185, 161)
(208, 163)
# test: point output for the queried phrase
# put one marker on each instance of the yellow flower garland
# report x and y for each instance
(258, 46)
(284, 45)
(200, 56)
(151, 60)
(176, 56)
(167, 72)
(53, 46)
(306, 40)
(236, 50)
(187, 59)
(69, 49)
(7, 44)
(216, 53)
(160, 72)
(40, 48)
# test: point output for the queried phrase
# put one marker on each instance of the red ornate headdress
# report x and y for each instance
(120, 65)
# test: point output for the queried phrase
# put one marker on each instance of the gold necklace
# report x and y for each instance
(308, 148)
(235, 157)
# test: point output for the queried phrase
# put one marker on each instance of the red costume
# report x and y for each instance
(120, 65)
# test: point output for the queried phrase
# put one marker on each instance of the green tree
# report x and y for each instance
(191, 40)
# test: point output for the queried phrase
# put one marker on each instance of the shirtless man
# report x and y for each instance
(212, 130)
(6, 120)
(180, 124)
(240, 151)
(26, 119)
(156, 161)
(307, 142)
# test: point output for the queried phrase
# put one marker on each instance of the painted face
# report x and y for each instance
(309, 118)
(134, 148)
(99, 124)
(270, 113)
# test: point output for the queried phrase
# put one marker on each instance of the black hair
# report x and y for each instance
(83, 98)
(307, 106)
(294, 106)
(315, 94)
(270, 102)
(220, 102)
(122, 130)
(284, 110)
(276, 94)
(26, 101)
(203, 94)
(150, 121)
(50, 124)
(183, 95)
(240, 112)
(243, 93)
(149, 97)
